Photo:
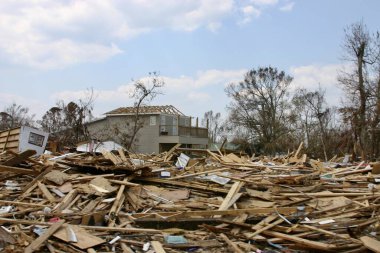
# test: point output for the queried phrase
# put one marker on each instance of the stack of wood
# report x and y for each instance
(121, 202)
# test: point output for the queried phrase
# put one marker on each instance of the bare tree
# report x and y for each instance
(214, 124)
(315, 116)
(15, 115)
(361, 50)
(259, 105)
(144, 92)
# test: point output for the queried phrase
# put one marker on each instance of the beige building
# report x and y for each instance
(161, 128)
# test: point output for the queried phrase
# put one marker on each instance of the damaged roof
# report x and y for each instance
(162, 109)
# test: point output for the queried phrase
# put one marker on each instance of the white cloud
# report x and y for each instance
(48, 34)
(192, 94)
(51, 34)
(249, 12)
(198, 97)
(204, 78)
(313, 76)
(35, 106)
(287, 7)
(264, 2)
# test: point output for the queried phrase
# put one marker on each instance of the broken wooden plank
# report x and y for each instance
(168, 154)
(257, 211)
(46, 192)
(301, 241)
(157, 247)
(19, 157)
(17, 170)
(184, 184)
(371, 243)
(118, 201)
(231, 244)
(66, 201)
(36, 244)
(85, 240)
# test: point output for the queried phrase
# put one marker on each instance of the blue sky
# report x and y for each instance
(51, 50)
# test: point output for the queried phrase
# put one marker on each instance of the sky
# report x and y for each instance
(53, 50)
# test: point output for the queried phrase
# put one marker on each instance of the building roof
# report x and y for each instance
(162, 109)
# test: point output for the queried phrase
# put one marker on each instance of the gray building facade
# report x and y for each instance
(162, 127)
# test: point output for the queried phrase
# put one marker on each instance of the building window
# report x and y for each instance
(36, 139)
(152, 120)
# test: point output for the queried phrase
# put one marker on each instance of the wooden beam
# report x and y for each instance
(301, 241)
(19, 157)
(208, 213)
(125, 182)
(183, 184)
(118, 200)
(17, 203)
(199, 173)
(234, 190)
(231, 244)
(96, 228)
(269, 226)
(167, 155)
(17, 170)
(46, 192)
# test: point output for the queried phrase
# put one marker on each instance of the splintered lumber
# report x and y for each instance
(213, 155)
(269, 226)
(230, 198)
(17, 203)
(46, 192)
(85, 240)
(17, 170)
(232, 192)
(258, 211)
(267, 204)
(119, 200)
(330, 194)
(36, 244)
(96, 228)
(231, 244)
(18, 158)
(301, 241)
(39, 177)
(157, 247)
(125, 182)
(67, 200)
(168, 154)
(198, 173)
(371, 243)
(346, 237)
(126, 248)
(183, 184)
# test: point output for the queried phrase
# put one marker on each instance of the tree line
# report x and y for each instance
(265, 116)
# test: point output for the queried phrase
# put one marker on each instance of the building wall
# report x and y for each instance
(112, 128)
(148, 138)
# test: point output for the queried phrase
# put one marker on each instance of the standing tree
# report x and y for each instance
(315, 116)
(66, 122)
(213, 123)
(361, 50)
(259, 105)
(15, 115)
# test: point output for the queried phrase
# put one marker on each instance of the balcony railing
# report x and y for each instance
(170, 130)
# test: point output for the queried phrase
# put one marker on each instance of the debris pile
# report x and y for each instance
(177, 201)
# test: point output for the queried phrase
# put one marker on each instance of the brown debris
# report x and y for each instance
(126, 202)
